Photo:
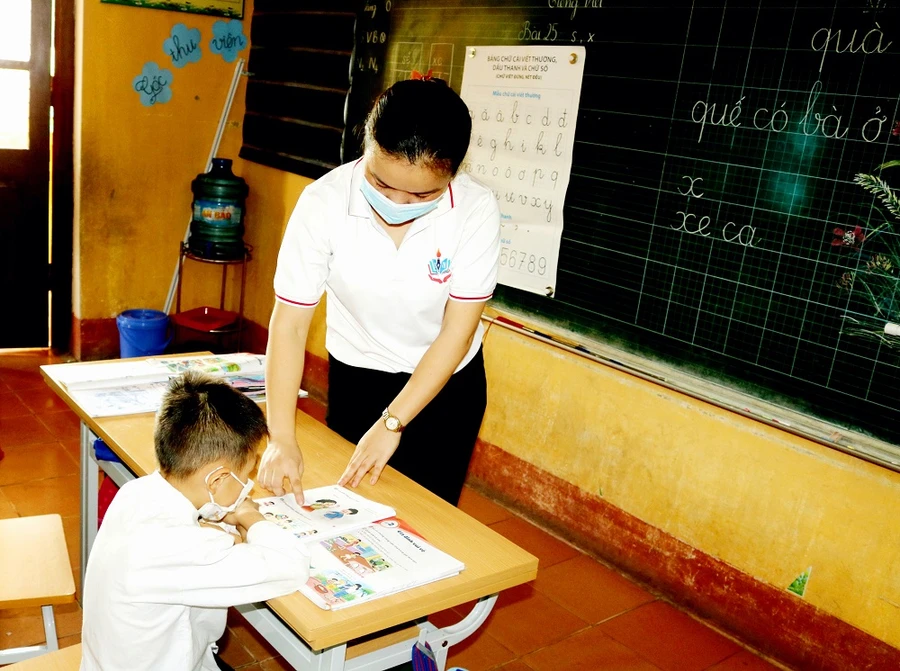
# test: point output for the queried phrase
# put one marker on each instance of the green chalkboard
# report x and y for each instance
(713, 217)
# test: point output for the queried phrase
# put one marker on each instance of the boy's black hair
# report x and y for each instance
(421, 120)
(202, 420)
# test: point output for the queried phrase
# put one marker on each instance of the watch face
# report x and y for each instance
(392, 423)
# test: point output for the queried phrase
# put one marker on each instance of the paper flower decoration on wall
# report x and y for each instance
(153, 85)
(183, 45)
(228, 39)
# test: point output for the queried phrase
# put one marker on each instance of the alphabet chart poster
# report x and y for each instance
(524, 104)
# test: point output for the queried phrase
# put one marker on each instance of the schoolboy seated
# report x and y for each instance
(159, 580)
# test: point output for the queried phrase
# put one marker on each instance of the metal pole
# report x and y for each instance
(226, 110)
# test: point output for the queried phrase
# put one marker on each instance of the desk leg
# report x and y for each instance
(440, 640)
(90, 484)
(288, 644)
(300, 656)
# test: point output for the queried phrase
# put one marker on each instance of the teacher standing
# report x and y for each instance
(407, 250)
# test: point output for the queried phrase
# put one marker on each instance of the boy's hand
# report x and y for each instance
(238, 538)
(244, 516)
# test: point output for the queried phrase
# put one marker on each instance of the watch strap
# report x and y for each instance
(386, 416)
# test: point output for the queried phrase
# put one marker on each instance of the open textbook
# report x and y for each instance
(359, 550)
(134, 386)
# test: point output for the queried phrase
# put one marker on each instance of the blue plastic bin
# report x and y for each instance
(143, 333)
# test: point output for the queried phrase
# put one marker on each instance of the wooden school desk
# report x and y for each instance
(305, 635)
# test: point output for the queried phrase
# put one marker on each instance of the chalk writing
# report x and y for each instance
(692, 224)
(369, 64)
(777, 119)
(828, 125)
(574, 5)
(440, 61)
(690, 190)
(704, 113)
(406, 57)
(533, 33)
(825, 39)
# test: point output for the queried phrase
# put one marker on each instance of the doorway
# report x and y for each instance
(36, 83)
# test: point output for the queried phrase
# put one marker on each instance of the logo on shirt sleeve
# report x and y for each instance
(439, 269)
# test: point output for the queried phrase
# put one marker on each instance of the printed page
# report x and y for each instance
(106, 374)
(128, 400)
(326, 511)
(372, 562)
(254, 385)
(217, 365)
(128, 373)
(139, 386)
(524, 104)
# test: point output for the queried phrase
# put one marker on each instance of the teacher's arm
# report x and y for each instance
(285, 354)
(429, 377)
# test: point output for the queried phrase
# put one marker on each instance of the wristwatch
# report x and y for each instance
(391, 423)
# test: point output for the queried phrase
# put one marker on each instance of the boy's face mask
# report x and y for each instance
(214, 512)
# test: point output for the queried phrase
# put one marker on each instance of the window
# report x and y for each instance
(299, 62)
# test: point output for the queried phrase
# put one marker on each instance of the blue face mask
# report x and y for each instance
(395, 213)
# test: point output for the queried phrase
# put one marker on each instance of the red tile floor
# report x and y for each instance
(578, 615)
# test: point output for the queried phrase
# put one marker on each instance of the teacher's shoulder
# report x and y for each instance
(476, 198)
(334, 185)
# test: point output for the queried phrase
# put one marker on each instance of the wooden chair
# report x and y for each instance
(34, 571)
(67, 659)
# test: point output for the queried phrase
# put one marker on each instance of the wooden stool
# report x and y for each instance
(34, 571)
(67, 659)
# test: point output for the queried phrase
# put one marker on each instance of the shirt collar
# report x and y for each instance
(171, 501)
(359, 206)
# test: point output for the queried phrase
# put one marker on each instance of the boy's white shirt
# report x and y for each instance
(158, 585)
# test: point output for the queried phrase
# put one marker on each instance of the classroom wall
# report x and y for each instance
(134, 166)
(765, 502)
(716, 510)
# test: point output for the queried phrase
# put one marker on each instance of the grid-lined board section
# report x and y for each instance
(299, 66)
(715, 152)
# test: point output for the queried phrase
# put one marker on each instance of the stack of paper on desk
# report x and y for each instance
(359, 550)
(133, 386)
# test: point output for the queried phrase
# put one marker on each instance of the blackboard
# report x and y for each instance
(712, 213)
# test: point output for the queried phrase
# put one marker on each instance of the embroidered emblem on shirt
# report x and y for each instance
(439, 269)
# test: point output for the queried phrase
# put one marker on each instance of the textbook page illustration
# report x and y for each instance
(377, 560)
(325, 511)
(359, 550)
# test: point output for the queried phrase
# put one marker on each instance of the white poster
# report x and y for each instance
(524, 105)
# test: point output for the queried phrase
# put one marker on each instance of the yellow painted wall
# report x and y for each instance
(767, 502)
(271, 202)
(135, 163)
(764, 501)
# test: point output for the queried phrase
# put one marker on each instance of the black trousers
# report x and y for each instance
(436, 446)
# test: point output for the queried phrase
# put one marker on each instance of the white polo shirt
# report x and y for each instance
(386, 304)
